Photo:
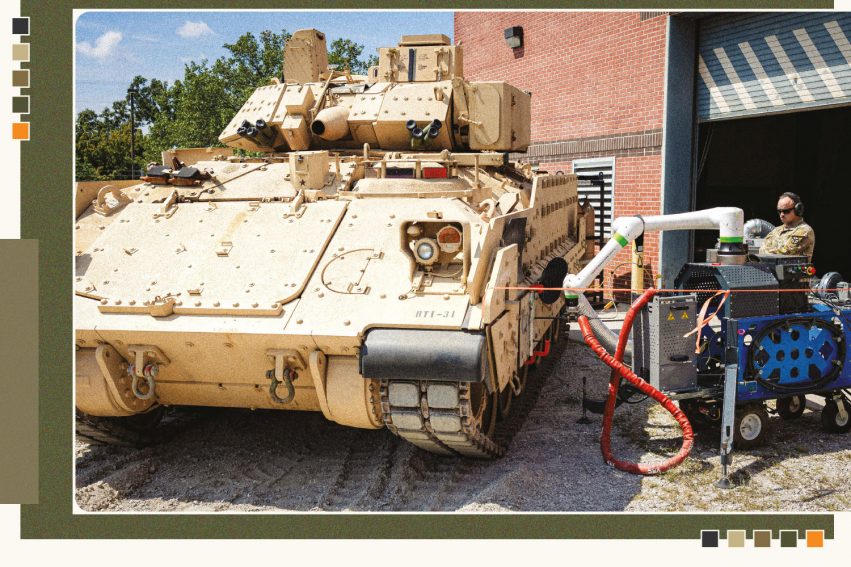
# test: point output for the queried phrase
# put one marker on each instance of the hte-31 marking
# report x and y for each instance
(435, 314)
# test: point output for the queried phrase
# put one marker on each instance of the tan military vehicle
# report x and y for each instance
(357, 267)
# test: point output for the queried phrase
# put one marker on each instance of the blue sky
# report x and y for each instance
(113, 47)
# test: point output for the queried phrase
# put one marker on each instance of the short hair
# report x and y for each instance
(794, 196)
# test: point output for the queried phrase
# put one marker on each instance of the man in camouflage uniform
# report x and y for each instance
(794, 237)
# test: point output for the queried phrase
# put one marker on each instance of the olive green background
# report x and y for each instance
(19, 372)
(46, 214)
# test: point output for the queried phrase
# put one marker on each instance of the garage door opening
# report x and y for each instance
(749, 162)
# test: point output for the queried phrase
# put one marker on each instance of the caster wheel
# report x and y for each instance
(791, 408)
(832, 421)
(750, 427)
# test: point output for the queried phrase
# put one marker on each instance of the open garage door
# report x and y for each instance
(774, 115)
(755, 64)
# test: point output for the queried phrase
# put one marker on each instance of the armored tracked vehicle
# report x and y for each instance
(357, 260)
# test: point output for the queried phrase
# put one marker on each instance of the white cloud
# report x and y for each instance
(194, 29)
(104, 46)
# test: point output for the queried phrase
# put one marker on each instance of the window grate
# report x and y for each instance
(587, 169)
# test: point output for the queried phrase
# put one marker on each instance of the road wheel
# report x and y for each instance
(832, 421)
(484, 407)
(792, 407)
(505, 399)
(750, 427)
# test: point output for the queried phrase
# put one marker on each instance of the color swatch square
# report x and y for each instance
(709, 538)
(21, 78)
(21, 104)
(21, 131)
(762, 538)
(21, 52)
(735, 538)
(815, 538)
(788, 538)
(21, 26)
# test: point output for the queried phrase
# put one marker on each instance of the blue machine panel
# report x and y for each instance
(781, 355)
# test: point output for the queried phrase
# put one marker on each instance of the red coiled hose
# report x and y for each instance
(616, 363)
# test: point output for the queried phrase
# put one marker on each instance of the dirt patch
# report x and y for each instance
(235, 460)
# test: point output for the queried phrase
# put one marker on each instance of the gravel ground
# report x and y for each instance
(235, 460)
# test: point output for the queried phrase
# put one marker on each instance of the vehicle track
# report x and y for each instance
(243, 461)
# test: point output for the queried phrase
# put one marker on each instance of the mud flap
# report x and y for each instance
(439, 356)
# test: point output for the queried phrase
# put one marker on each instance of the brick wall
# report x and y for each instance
(597, 83)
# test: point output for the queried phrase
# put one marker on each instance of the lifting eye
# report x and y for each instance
(449, 239)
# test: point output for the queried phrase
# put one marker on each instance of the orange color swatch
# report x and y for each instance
(815, 538)
(21, 131)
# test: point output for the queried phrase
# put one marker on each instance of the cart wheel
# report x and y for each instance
(694, 416)
(750, 427)
(831, 421)
(791, 408)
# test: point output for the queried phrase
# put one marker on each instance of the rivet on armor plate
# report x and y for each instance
(197, 304)
(216, 304)
(255, 305)
(228, 345)
(299, 321)
(236, 304)
(347, 322)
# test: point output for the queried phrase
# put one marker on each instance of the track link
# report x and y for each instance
(438, 416)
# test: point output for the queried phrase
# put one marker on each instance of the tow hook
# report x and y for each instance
(287, 378)
(149, 373)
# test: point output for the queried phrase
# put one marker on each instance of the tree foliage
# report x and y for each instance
(192, 111)
(346, 54)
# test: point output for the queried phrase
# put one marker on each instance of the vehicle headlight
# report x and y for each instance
(425, 250)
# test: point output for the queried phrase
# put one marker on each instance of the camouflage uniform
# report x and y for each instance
(796, 240)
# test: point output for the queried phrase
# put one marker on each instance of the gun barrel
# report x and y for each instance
(331, 123)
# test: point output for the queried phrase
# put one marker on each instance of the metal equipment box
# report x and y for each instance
(662, 354)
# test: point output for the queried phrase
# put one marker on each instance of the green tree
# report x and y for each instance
(346, 54)
(191, 112)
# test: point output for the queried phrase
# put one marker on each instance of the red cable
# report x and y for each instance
(615, 362)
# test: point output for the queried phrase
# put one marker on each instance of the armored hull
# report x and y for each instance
(370, 284)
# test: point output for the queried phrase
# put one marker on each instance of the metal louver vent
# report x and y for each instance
(588, 169)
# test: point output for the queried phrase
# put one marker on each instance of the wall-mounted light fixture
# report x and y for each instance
(514, 37)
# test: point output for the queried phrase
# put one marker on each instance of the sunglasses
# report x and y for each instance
(785, 211)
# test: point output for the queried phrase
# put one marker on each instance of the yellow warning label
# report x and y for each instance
(685, 315)
(670, 315)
